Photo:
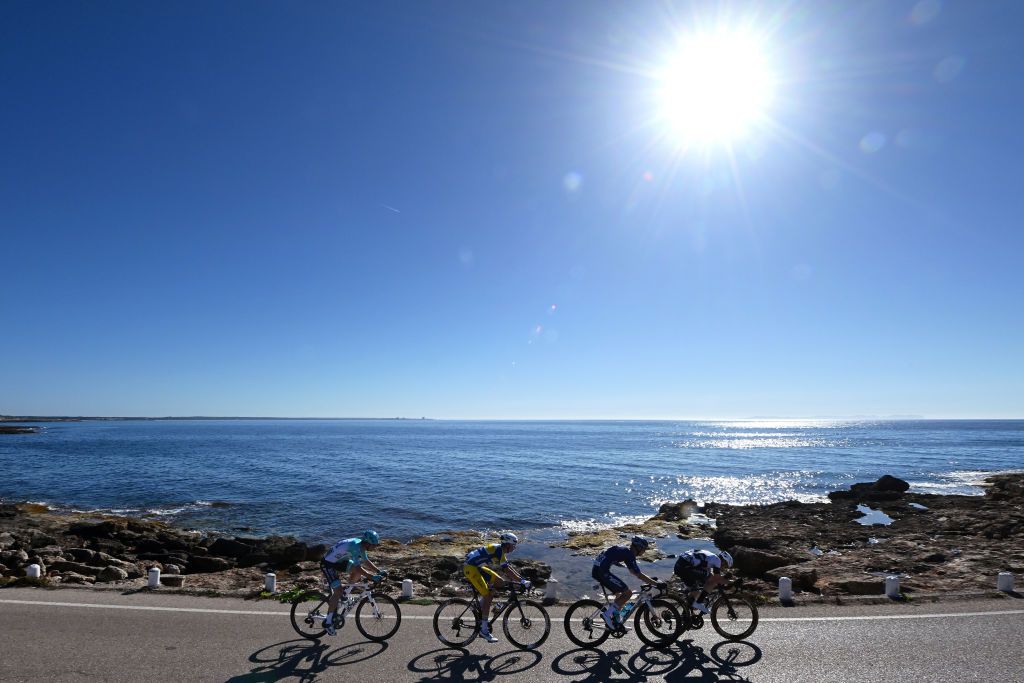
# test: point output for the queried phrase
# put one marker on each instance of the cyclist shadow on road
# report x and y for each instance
(457, 664)
(304, 660)
(682, 662)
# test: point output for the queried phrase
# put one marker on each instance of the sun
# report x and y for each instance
(715, 88)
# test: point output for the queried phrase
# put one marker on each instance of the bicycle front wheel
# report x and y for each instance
(527, 624)
(308, 612)
(379, 617)
(734, 617)
(456, 622)
(657, 624)
(584, 625)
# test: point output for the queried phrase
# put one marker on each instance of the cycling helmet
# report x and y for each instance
(641, 543)
(726, 558)
(510, 538)
(370, 536)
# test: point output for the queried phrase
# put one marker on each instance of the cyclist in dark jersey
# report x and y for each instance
(617, 555)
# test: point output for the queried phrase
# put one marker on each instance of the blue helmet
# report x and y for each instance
(640, 543)
(370, 536)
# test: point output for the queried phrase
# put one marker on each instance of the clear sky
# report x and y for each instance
(512, 210)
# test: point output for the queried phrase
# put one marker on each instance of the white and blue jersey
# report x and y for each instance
(349, 551)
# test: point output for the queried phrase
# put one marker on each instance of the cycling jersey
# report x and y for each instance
(477, 570)
(349, 550)
(699, 559)
(487, 554)
(616, 555)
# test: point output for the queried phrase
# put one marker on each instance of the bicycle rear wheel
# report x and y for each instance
(659, 624)
(380, 619)
(456, 622)
(584, 625)
(527, 624)
(308, 612)
(734, 617)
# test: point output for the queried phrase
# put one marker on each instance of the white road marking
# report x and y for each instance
(166, 609)
(420, 616)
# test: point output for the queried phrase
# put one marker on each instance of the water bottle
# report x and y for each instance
(626, 610)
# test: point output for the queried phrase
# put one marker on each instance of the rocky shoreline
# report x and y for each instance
(938, 545)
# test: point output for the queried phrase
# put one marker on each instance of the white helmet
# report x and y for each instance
(510, 538)
(726, 558)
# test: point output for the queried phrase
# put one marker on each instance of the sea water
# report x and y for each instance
(320, 479)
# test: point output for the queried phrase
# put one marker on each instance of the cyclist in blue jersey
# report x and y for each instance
(348, 556)
(618, 555)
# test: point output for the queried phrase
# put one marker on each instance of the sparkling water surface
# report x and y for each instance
(320, 478)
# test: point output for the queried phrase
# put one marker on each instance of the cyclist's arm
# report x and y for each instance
(509, 569)
(368, 563)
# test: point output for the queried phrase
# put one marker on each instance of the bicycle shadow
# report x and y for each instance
(458, 664)
(304, 660)
(683, 662)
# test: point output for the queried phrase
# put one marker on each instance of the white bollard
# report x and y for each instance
(154, 578)
(785, 589)
(892, 586)
(551, 590)
(1005, 582)
(270, 582)
(33, 571)
(406, 588)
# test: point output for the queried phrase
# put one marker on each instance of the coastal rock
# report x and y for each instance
(110, 574)
(173, 580)
(14, 558)
(199, 565)
(673, 512)
(754, 562)
(229, 547)
(172, 569)
(887, 487)
(75, 567)
(803, 576)
(82, 554)
(72, 577)
(6, 540)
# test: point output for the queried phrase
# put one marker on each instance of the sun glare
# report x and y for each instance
(715, 88)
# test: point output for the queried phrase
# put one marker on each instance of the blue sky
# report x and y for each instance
(473, 210)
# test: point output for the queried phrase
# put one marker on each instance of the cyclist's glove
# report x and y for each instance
(525, 584)
(376, 577)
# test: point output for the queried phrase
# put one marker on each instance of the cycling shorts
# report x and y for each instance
(332, 572)
(693, 577)
(480, 577)
(608, 580)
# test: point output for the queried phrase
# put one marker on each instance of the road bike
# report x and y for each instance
(733, 615)
(377, 616)
(525, 622)
(656, 620)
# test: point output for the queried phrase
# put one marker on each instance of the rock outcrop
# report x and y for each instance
(935, 543)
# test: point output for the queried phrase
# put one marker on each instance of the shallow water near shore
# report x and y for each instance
(318, 479)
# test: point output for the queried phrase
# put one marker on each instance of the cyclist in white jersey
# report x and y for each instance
(348, 556)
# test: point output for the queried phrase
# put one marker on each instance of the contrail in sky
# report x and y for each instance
(390, 208)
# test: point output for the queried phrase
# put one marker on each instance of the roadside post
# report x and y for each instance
(551, 592)
(154, 577)
(407, 588)
(785, 589)
(270, 582)
(33, 571)
(1005, 582)
(892, 586)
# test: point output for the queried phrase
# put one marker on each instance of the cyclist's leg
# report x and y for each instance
(333, 575)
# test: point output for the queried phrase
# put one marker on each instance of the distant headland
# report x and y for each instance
(85, 418)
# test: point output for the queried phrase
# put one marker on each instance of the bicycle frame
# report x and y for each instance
(347, 600)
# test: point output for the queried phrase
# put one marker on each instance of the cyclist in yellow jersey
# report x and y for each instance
(482, 576)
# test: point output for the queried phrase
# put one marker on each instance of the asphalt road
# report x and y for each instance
(72, 635)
